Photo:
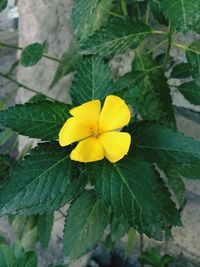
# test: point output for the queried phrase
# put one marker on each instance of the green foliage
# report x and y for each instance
(180, 71)
(3, 4)
(45, 225)
(182, 14)
(85, 223)
(42, 119)
(193, 57)
(31, 54)
(92, 81)
(188, 170)
(191, 92)
(156, 9)
(116, 36)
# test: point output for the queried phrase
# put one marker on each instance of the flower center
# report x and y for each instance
(95, 130)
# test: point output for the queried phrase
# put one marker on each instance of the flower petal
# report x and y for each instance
(88, 150)
(73, 130)
(88, 113)
(116, 145)
(115, 114)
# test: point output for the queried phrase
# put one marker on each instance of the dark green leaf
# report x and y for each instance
(43, 174)
(31, 54)
(116, 36)
(133, 188)
(156, 9)
(159, 143)
(191, 92)
(45, 225)
(6, 163)
(182, 14)
(3, 4)
(37, 98)
(193, 57)
(180, 71)
(92, 81)
(85, 223)
(28, 259)
(38, 120)
(188, 170)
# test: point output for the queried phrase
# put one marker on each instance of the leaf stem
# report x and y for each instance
(170, 41)
(22, 85)
(147, 14)
(186, 48)
(20, 48)
(124, 7)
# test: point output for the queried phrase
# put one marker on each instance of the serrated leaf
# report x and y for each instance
(180, 71)
(132, 188)
(156, 10)
(85, 224)
(92, 81)
(193, 57)
(31, 54)
(45, 172)
(191, 92)
(88, 16)
(160, 143)
(45, 225)
(38, 120)
(116, 36)
(188, 170)
(3, 4)
(182, 14)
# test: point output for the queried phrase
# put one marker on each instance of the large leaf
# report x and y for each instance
(89, 15)
(159, 143)
(3, 4)
(84, 226)
(188, 170)
(182, 14)
(44, 173)
(180, 71)
(191, 92)
(45, 225)
(92, 81)
(38, 120)
(31, 54)
(193, 57)
(116, 36)
(132, 187)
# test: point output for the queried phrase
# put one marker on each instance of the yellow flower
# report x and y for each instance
(97, 130)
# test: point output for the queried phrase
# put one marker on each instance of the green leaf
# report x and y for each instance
(6, 163)
(31, 54)
(159, 143)
(3, 4)
(191, 92)
(38, 120)
(180, 71)
(7, 256)
(44, 173)
(45, 225)
(188, 170)
(92, 81)
(193, 57)
(28, 259)
(88, 16)
(156, 10)
(85, 224)
(132, 188)
(182, 14)
(116, 36)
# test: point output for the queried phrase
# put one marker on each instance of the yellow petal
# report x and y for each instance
(88, 150)
(73, 130)
(115, 114)
(88, 112)
(116, 145)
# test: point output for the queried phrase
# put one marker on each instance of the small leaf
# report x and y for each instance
(28, 259)
(191, 92)
(92, 81)
(193, 57)
(156, 9)
(85, 223)
(7, 256)
(31, 55)
(180, 71)
(44, 173)
(188, 170)
(45, 225)
(182, 14)
(6, 163)
(116, 36)
(42, 119)
(3, 4)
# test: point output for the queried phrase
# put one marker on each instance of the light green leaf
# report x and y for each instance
(182, 14)
(43, 174)
(3, 4)
(133, 188)
(159, 143)
(93, 80)
(31, 55)
(42, 119)
(88, 16)
(191, 92)
(193, 57)
(85, 223)
(45, 225)
(7, 256)
(180, 71)
(116, 36)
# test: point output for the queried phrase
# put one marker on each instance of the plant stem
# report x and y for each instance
(170, 39)
(186, 48)
(147, 15)
(20, 48)
(124, 7)
(21, 85)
